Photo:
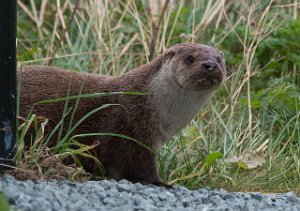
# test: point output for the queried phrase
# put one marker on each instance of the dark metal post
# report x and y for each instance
(7, 83)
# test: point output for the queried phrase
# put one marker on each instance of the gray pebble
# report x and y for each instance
(123, 195)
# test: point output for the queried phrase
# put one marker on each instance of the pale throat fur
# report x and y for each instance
(174, 106)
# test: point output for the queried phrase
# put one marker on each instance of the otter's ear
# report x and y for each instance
(169, 55)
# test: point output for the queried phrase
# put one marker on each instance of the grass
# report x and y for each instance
(4, 205)
(254, 117)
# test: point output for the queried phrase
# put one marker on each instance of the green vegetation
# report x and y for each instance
(4, 205)
(248, 137)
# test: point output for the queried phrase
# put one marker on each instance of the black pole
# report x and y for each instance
(7, 83)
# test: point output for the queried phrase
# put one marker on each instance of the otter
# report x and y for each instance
(172, 89)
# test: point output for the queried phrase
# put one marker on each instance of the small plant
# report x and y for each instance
(209, 160)
(46, 155)
(4, 205)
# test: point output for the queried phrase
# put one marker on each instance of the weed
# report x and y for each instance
(4, 205)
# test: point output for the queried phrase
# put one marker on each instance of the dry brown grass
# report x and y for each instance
(112, 37)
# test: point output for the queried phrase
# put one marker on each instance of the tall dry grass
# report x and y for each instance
(112, 37)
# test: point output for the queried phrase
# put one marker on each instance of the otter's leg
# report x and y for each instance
(143, 169)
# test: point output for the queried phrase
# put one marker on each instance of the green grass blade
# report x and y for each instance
(4, 205)
(85, 96)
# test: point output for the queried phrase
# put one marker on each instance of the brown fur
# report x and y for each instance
(152, 118)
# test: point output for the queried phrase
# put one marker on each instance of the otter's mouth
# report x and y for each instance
(210, 75)
(209, 82)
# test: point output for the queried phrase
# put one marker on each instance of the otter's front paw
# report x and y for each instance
(161, 184)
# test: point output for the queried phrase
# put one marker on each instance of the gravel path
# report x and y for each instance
(123, 195)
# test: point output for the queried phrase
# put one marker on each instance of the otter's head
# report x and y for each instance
(196, 67)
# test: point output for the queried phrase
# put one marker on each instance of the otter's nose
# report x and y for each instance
(210, 66)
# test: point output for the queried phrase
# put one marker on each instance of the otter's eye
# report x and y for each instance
(190, 59)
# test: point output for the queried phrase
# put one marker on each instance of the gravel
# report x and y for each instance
(123, 195)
